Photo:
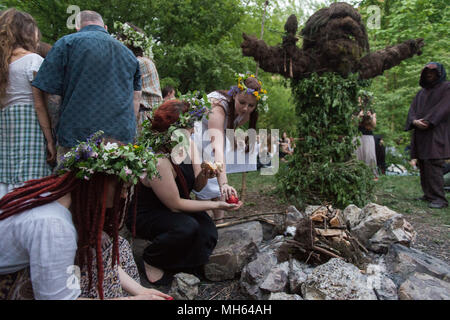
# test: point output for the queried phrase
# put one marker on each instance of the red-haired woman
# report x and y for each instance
(182, 234)
(230, 110)
(26, 141)
(55, 226)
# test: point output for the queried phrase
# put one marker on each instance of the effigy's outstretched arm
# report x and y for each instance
(287, 60)
(375, 63)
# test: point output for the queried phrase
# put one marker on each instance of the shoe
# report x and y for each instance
(435, 205)
(165, 280)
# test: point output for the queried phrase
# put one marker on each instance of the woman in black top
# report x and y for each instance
(182, 234)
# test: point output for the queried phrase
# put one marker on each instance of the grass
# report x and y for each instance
(396, 192)
(399, 193)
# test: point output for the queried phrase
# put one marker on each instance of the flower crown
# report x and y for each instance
(129, 162)
(199, 108)
(134, 38)
(261, 95)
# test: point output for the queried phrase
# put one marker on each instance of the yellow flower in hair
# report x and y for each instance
(265, 91)
(252, 75)
(240, 87)
(256, 94)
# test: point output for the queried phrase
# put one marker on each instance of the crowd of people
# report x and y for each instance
(75, 166)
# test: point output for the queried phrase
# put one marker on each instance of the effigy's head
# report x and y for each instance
(337, 36)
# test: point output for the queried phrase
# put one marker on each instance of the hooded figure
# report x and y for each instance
(429, 116)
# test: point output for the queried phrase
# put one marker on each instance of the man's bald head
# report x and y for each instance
(88, 17)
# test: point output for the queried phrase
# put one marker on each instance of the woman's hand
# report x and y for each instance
(222, 205)
(151, 294)
(51, 153)
(227, 190)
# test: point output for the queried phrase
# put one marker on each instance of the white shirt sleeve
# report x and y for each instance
(51, 244)
(34, 65)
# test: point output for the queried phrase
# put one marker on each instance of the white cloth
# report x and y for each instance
(44, 239)
(21, 74)
(366, 152)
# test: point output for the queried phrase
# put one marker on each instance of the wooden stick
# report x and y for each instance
(254, 215)
(322, 250)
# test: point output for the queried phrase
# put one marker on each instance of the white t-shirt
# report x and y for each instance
(21, 74)
(44, 239)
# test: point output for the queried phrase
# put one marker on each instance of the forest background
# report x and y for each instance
(197, 45)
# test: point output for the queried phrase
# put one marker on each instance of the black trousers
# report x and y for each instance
(432, 180)
(179, 241)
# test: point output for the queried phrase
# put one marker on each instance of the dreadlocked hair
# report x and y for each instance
(89, 213)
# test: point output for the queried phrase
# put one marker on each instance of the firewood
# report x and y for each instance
(329, 232)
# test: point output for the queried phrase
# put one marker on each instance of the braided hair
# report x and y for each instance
(90, 215)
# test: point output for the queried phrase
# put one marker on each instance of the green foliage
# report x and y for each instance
(323, 167)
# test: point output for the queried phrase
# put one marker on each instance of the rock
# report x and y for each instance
(273, 245)
(293, 216)
(401, 262)
(337, 280)
(269, 230)
(297, 275)
(277, 278)
(235, 247)
(255, 272)
(373, 217)
(395, 230)
(420, 286)
(352, 216)
(284, 296)
(378, 280)
(184, 287)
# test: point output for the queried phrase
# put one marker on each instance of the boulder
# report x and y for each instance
(297, 275)
(184, 287)
(293, 216)
(401, 262)
(395, 230)
(352, 216)
(380, 282)
(277, 278)
(420, 286)
(284, 296)
(373, 218)
(235, 247)
(337, 280)
(255, 272)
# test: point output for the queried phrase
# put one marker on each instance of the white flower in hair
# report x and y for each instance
(111, 146)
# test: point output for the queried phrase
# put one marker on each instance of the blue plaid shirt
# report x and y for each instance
(96, 76)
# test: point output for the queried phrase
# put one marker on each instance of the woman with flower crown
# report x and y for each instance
(182, 234)
(230, 110)
(53, 228)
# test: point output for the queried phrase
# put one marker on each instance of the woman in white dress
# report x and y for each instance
(230, 110)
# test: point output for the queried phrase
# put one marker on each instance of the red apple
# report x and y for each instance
(233, 199)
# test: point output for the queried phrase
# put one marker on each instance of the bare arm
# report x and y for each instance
(215, 126)
(166, 190)
(40, 106)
